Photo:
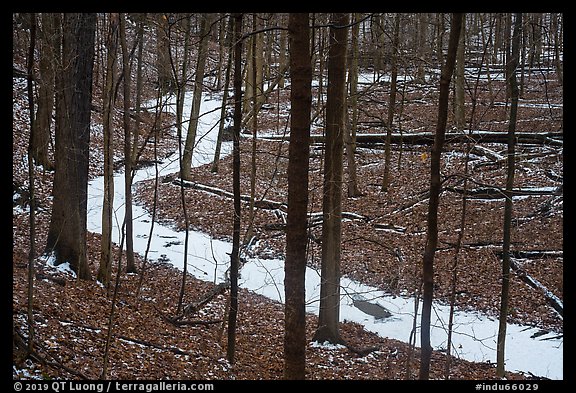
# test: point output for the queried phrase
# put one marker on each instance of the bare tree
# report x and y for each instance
(105, 268)
(32, 217)
(298, 165)
(42, 123)
(205, 25)
(130, 261)
(514, 94)
(235, 255)
(67, 232)
(391, 102)
(329, 314)
(435, 184)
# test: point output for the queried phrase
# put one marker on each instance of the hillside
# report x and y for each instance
(384, 235)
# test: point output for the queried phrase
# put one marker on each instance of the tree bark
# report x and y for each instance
(329, 315)
(32, 217)
(514, 94)
(105, 267)
(67, 232)
(435, 186)
(391, 103)
(223, 114)
(298, 166)
(235, 254)
(197, 98)
(45, 103)
(130, 261)
(351, 124)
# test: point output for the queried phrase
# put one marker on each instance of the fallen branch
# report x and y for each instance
(261, 204)
(552, 299)
(427, 138)
(192, 308)
(499, 193)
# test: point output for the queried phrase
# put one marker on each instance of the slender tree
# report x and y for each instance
(67, 233)
(435, 184)
(298, 165)
(391, 102)
(105, 268)
(459, 81)
(329, 314)
(514, 94)
(205, 24)
(32, 217)
(223, 113)
(352, 121)
(129, 228)
(235, 255)
(45, 102)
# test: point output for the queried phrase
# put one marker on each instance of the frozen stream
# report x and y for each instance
(474, 336)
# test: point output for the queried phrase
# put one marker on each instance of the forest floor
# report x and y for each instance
(383, 247)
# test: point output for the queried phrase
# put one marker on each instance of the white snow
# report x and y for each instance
(474, 335)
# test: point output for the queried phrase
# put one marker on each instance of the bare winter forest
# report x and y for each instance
(367, 196)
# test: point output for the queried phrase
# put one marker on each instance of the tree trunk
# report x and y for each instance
(351, 124)
(298, 165)
(235, 254)
(67, 232)
(45, 103)
(511, 76)
(197, 98)
(256, 92)
(329, 315)
(163, 67)
(391, 103)
(138, 105)
(435, 186)
(105, 268)
(459, 82)
(32, 217)
(130, 262)
(223, 114)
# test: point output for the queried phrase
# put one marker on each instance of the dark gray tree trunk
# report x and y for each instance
(32, 217)
(435, 186)
(391, 102)
(197, 98)
(514, 94)
(67, 232)
(235, 255)
(105, 268)
(329, 315)
(222, 124)
(45, 103)
(130, 261)
(298, 165)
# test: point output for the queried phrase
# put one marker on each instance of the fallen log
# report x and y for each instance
(500, 193)
(552, 299)
(427, 138)
(260, 203)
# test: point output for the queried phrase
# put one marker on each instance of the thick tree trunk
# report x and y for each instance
(67, 233)
(298, 165)
(329, 315)
(435, 185)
